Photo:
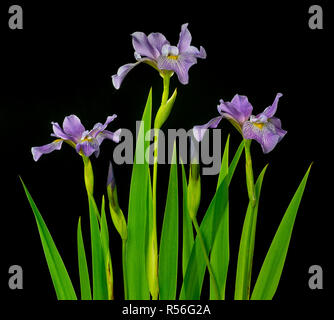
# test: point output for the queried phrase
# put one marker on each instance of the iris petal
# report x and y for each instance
(37, 152)
(199, 131)
(72, 126)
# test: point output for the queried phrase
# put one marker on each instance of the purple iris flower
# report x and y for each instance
(74, 133)
(156, 51)
(264, 128)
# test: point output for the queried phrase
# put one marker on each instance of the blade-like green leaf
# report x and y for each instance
(168, 256)
(220, 253)
(270, 273)
(100, 288)
(187, 227)
(193, 280)
(60, 278)
(83, 269)
(137, 214)
(246, 249)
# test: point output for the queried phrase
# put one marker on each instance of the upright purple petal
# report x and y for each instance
(37, 152)
(199, 131)
(271, 110)
(239, 109)
(73, 127)
(59, 132)
(157, 41)
(185, 38)
(143, 46)
(98, 127)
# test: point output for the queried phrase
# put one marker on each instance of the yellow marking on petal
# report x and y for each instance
(173, 57)
(258, 125)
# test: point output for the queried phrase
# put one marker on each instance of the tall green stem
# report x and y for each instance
(249, 174)
(153, 261)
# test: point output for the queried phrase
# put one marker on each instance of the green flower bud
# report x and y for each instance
(116, 212)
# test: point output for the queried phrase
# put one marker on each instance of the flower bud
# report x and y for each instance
(88, 174)
(194, 185)
(116, 212)
(164, 111)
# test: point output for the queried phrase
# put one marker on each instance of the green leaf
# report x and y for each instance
(220, 253)
(188, 233)
(83, 269)
(270, 273)
(138, 214)
(193, 280)
(246, 249)
(60, 278)
(100, 289)
(168, 256)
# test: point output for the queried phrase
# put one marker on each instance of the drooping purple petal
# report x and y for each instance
(264, 133)
(157, 40)
(278, 127)
(184, 39)
(73, 127)
(271, 110)
(88, 147)
(239, 109)
(122, 71)
(143, 46)
(37, 152)
(199, 131)
(106, 134)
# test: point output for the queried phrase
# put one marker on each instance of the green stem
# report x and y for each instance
(249, 174)
(206, 257)
(124, 269)
(164, 99)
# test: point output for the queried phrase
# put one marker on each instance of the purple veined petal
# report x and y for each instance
(278, 127)
(199, 131)
(271, 110)
(264, 133)
(106, 134)
(73, 127)
(58, 132)
(98, 127)
(201, 53)
(184, 39)
(143, 46)
(88, 147)
(37, 152)
(180, 65)
(157, 41)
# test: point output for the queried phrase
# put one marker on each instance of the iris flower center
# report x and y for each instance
(259, 125)
(173, 57)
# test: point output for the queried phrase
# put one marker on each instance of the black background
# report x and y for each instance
(61, 63)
